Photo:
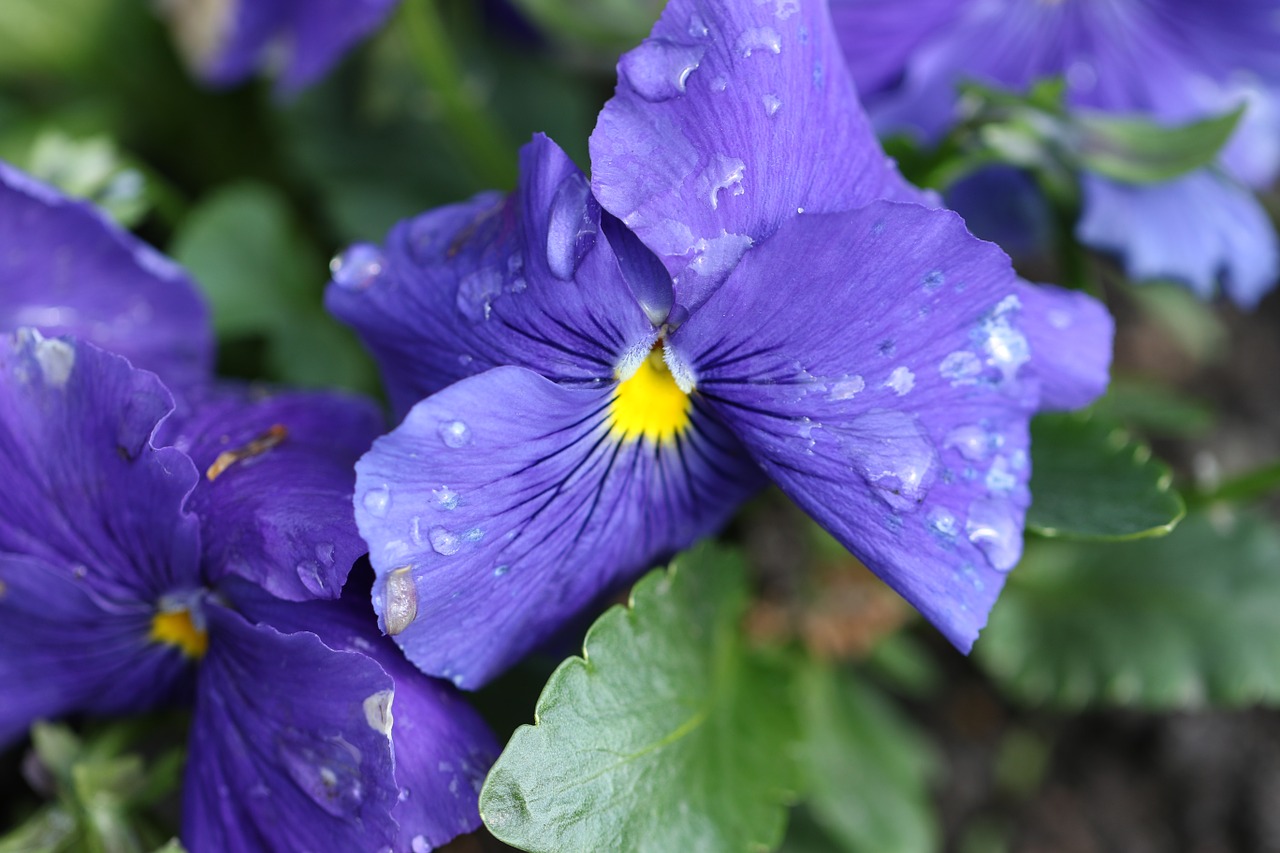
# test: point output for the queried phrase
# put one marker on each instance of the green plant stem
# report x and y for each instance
(1241, 489)
(483, 144)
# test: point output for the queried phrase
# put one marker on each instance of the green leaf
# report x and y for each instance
(1091, 480)
(866, 769)
(1155, 409)
(1139, 151)
(1177, 622)
(668, 734)
(609, 25)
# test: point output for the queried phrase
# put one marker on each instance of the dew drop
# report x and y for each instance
(571, 229)
(420, 844)
(475, 534)
(771, 104)
(446, 498)
(659, 69)
(328, 770)
(444, 542)
(759, 38)
(722, 173)
(325, 553)
(400, 601)
(719, 84)
(455, 434)
(697, 27)
(973, 442)
(994, 530)
(501, 570)
(1000, 480)
(377, 711)
(715, 257)
(358, 267)
(894, 455)
(847, 388)
(943, 523)
(314, 578)
(901, 380)
(476, 293)
(377, 501)
(961, 368)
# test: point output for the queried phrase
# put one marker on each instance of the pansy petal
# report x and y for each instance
(275, 496)
(688, 151)
(63, 651)
(85, 490)
(527, 280)
(880, 36)
(228, 41)
(888, 390)
(443, 749)
(1071, 335)
(1198, 229)
(283, 755)
(68, 270)
(506, 504)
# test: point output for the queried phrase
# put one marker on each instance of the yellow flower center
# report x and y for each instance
(175, 628)
(649, 404)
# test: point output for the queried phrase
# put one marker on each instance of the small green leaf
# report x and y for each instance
(611, 25)
(1139, 151)
(1155, 409)
(1177, 622)
(1091, 480)
(866, 769)
(668, 734)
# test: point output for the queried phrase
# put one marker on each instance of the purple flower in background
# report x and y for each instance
(228, 41)
(604, 386)
(151, 555)
(1172, 61)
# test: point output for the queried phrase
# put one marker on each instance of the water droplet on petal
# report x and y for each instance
(400, 601)
(377, 501)
(420, 844)
(475, 534)
(571, 229)
(847, 388)
(446, 498)
(314, 578)
(894, 455)
(1000, 480)
(993, 528)
(901, 380)
(659, 69)
(943, 522)
(455, 434)
(377, 711)
(759, 38)
(358, 267)
(697, 27)
(501, 570)
(961, 367)
(973, 442)
(443, 542)
(715, 257)
(325, 552)
(476, 293)
(327, 770)
(771, 104)
(722, 173)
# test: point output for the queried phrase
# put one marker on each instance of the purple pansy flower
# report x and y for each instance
(149, 555)
(227, 41)
(1172, 61)
(610, 368)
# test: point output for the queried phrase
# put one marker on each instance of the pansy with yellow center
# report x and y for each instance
(595, 374)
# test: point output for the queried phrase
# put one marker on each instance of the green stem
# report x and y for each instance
(483, 144)
(1241, 489)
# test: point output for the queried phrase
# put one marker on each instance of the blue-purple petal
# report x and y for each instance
(86, 492)
(503, 506)
(726, 121)
(526, 281)
(1201, 229)
(1070, 334)
(274, 498)
(888, 390)
(284, 754)
(68, 270)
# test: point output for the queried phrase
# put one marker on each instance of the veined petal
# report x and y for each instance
(443, 749)
(689, 151)
(68, 270)
(64, 651)
(506, 504)
(527, 280)
(880, 36)
(1199, 229)
(878, 365)
(1070, 334)
(86, 492)
(282, 753)
(277, 475)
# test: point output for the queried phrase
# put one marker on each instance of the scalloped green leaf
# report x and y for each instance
(1091, 480)
(668, 734)
(1139, 151)
(1181, 621)
(866, 768)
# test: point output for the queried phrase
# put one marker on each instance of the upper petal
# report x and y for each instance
(68, 270)
(278, 471)
(880, 367)
(527, 280)
(86, 491)
(729, 118)
(282, 753)
(1199, 229)
(505, 505)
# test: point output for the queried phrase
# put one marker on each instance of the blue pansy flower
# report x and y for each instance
(152, 554)
(228, 41)
(592, 375)
(1171, 61)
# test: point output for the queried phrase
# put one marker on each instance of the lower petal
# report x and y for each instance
(505, 505)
